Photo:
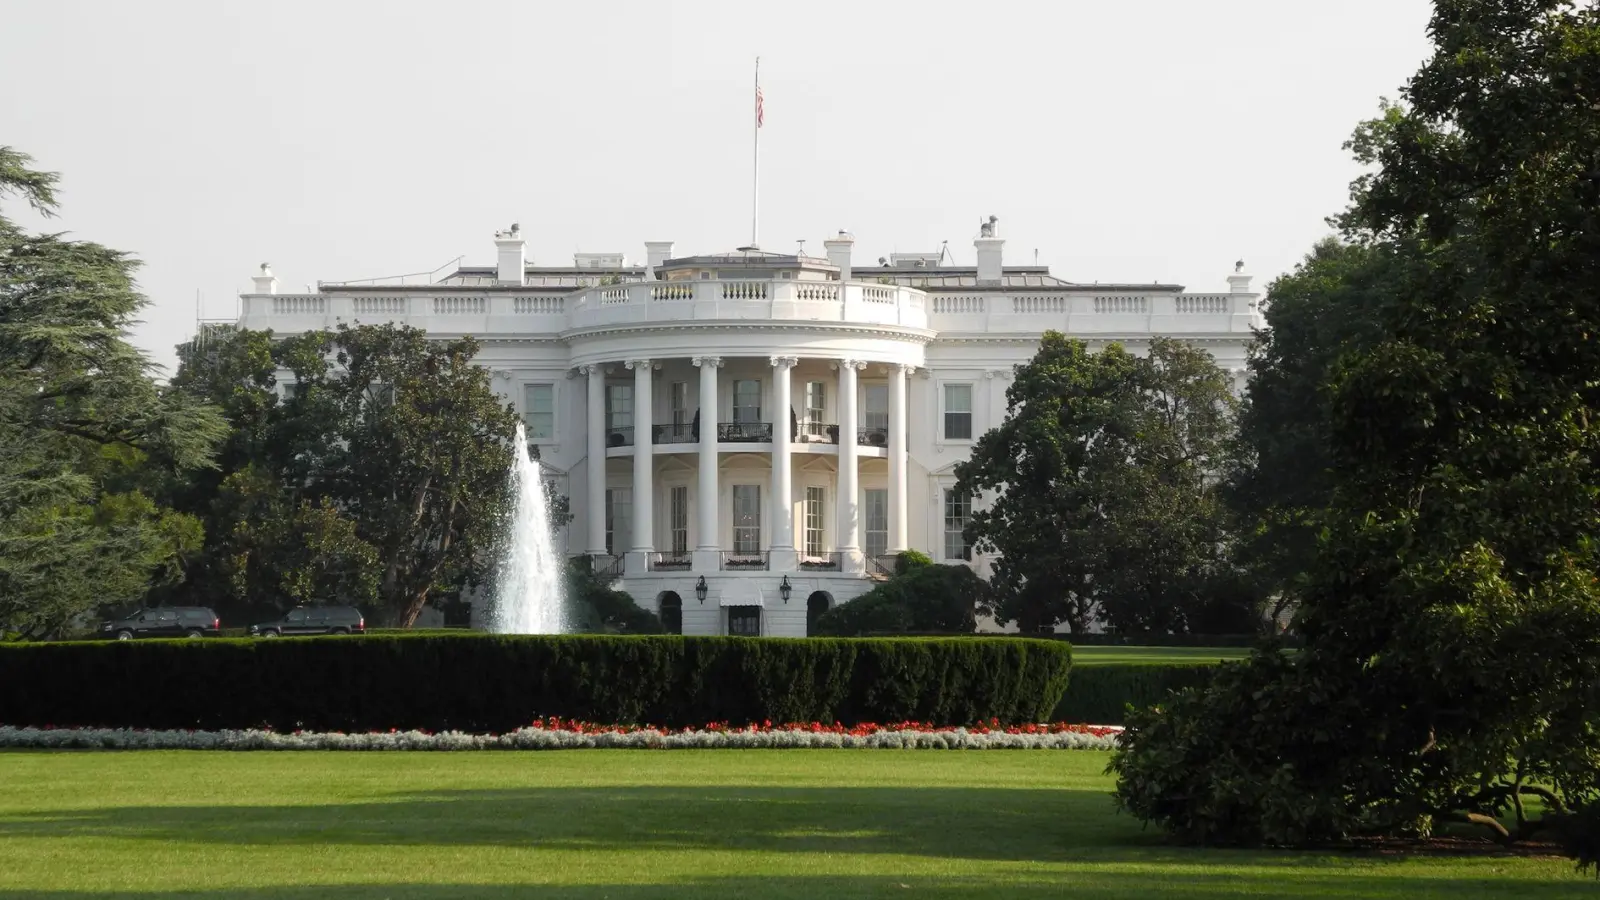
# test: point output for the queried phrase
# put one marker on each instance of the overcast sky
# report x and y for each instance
(1151, 141)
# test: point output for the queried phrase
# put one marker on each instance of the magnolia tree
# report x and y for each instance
(1451, 616)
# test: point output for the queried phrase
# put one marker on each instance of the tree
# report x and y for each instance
(1332, 304)
(1104, 478)
(394, 446)
(84, 428)
(1451, 622)
(922, 599)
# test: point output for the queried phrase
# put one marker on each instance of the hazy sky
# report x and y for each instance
(1157, 140)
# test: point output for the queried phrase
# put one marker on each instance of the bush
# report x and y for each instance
(907, 560)
(925, 599)
(494, 683)
(1101, 695)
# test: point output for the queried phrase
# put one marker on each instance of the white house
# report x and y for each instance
(675, 401)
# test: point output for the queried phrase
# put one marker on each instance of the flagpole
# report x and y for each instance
(755, 167)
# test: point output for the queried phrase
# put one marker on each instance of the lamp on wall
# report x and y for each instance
(700, 589)
(784, 588)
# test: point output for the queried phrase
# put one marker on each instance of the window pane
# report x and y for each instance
(958, 412)
(958, 398)
(680, 402)
(958, 426)
(747, 519)
(876, 406)
(539, 410)
(680, 519)
(619, 518)
(957, 507)
(877, 516)
(619, 406)
(816, 400)
(746, 401)
(814, 520)
(744, 621)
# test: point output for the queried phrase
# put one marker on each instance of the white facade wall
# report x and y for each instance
(933, 327)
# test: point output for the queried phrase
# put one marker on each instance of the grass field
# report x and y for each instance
(644, 824)
(1092, 656)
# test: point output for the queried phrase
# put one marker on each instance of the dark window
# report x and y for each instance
(672, 612)
(816, 604)
(295, 617)
(744, 621)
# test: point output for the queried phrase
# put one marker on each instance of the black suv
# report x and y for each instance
(166, 621)
(314, 620)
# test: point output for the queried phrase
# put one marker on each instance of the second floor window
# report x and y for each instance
(958, 412)
(816, 401)
(876, 408)
(539, 410)
(619, 406)
(680, 402)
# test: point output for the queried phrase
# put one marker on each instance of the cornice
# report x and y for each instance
(892, 332)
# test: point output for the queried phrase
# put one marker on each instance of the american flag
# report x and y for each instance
(761, 114)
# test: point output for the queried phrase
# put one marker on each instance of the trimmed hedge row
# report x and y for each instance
(492, 683)
(1101, 694)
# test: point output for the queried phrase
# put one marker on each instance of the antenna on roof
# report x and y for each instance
(944, 250)
(802, 250)
(1036, 256)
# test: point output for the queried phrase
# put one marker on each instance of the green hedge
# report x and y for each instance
(1101, 694)
(488, 683)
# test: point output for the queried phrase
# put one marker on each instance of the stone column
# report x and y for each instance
(644, 541)
(783, 556)
(597, 458)
(898, 450)
(708, 546)
(849, 542)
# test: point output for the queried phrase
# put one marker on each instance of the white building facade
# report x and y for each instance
(748, 438)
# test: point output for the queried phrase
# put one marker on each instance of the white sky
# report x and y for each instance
(1150, 141)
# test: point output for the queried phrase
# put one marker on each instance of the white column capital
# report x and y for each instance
(1007, 374)
(783, 362)
(906, 368)
(714, 362)
(642, 363)
(843, 364)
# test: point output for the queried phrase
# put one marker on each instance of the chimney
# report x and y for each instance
(989, 254)
(656, 253)
(511, 261)
(1238, 282)
(266, 282)
(839, 252)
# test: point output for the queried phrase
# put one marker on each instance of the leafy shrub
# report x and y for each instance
(494, 683)
(926, 599)
(906, 560)
(1101, 695)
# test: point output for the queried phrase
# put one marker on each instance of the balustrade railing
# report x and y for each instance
(546, 306)
(734, 561)
(670, 562)
(818, 433)
(299, 306)
(378, 306)
(744, 432)
(685, 433)
(816, 291)
(620, 436)
(745, 290)
(459, 306)
(832, 561)
(1198, 304)
(1114, 304)
(881, 566)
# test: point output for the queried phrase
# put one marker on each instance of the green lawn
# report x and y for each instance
(1091, 656)
(637, 824)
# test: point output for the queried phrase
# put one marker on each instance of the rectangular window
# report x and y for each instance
(539, 410)
(619, 520)
(746, 400)
(680, 519)
(747, 519)
(816, 401)
(814, 520)
(958, 412)
(877, 522)
(744, 621)
(290, 390)
(957, 509)
(679, 394)
(619, 406)
(875, 411)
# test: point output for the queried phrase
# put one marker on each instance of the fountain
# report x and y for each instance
(530, 594)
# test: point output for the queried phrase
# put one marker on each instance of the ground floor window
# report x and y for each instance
(877, 523)
(816, 604)
(747, 519)
(680, 519)
(957, 509)
(744, 621)
(619, 519)
(814, 520)
(672, 612)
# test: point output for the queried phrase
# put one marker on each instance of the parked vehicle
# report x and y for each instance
(314, 620)
(165, 621)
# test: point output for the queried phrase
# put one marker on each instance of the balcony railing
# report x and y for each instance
(671, 562)
(603, 566)
(818, 433)
(873, 437)
(881, 566)
(621, 436)
(744, 432)
(822, 562)
(676, 434)
(745, 562)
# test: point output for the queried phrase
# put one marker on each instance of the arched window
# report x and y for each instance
(669, 607)
(817, 604)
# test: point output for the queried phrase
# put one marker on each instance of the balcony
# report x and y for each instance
(744, 432)
(686, 433)
(671, 562)
(822, 562)
(758, 561)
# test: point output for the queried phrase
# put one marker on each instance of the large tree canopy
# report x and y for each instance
(1100, 487)
(84, 427)
(1452, 620)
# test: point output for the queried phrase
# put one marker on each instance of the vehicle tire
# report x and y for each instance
(340, 631)
(194, 633)
(269, 634)
(124, 635)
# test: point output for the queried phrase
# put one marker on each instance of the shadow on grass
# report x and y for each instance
(1089, 886)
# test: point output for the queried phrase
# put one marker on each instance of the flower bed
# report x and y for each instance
(559, 734)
